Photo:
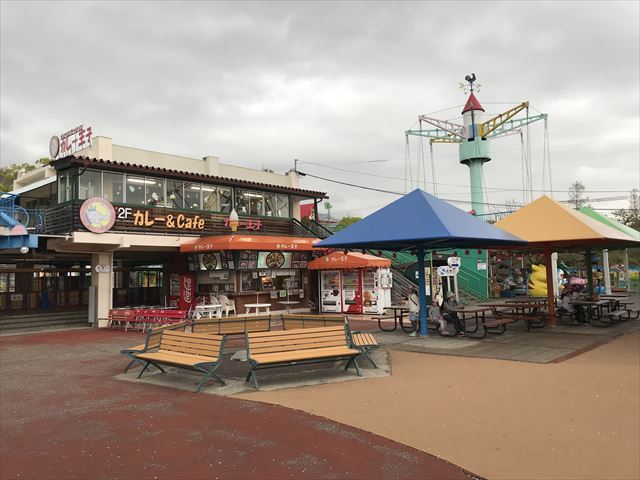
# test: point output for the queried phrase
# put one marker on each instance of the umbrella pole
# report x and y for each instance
(551, 299)
(422, 293)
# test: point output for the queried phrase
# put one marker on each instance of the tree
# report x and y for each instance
(10, 173)
(630, 216)
(577, 198)
(328, 207)
(345, 222)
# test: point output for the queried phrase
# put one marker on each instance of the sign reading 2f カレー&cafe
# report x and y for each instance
(98, 216)
(144, 218)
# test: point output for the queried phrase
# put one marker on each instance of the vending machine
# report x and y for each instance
(384, 283)
(351, 292)
(330, 291)
(369, 292)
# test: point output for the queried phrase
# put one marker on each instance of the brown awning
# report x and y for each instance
(248, 242)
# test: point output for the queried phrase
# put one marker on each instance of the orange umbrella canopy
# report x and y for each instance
(341, 260)
(546, 221)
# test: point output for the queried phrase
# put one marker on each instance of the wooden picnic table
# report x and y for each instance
(398, 318)
(527, 300)
(532, 313)
(593, 306)
(478, 313)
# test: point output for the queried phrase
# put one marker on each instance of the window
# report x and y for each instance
(112, 187)
(90, 184)
(175, 194)
(270, 204)
(192, 196)
(135, 190)
(282, 206)
(276, 205)
(249, 202)
(155, 191)
(63, 187)
(7, 282)
(216, 199)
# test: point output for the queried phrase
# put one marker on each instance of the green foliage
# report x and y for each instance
(630, 216)
(10, 173)
(577, 199)
(345, 222)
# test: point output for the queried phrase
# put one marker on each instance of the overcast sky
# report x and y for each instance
(334, 84)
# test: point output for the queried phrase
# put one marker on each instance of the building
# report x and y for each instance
(119, 226)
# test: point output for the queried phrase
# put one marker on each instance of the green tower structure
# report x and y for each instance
(474, 137)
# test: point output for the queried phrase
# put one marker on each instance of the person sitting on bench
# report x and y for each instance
(434, 315)
(452, 316)
(566, 303)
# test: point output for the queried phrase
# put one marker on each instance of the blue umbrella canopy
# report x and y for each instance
(419, 219)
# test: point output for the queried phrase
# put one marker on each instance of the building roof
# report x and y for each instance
(88, 162)
(248, 242)
(611, 222)
(341, 261)
(547, 222)
(472, 104)
(419, 219)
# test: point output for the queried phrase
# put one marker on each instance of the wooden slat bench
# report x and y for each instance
(298, 347)
(232, 325)
(365, 343)
(195, 351)
(292, 321)
(152, 341)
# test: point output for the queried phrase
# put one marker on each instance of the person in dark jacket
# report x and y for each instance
(451, 315)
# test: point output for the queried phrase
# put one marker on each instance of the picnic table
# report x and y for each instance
(594, 308)
(527, 300)
(257, 307)
(398, 318)
(479, 316)
(208, 310)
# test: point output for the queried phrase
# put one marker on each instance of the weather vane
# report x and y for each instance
(470, 87)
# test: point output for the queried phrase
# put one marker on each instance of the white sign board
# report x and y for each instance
(445, 271)
(454, 262)
(103, 268)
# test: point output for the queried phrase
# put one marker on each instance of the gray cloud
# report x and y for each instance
(259, 84)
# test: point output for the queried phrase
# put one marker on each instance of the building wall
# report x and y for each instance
(103, 148)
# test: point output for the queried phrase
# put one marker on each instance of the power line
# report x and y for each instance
(466, 202)
(502, 189)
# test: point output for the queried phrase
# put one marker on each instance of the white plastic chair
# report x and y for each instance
(227, 305)
(213, 299)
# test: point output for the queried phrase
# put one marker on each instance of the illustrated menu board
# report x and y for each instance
(211, 261)
(299, 260)
(248, 260)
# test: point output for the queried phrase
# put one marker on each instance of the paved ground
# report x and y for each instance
(63, 415)
(538, 345)
(576, 419)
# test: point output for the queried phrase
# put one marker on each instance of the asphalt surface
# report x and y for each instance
(63, 415)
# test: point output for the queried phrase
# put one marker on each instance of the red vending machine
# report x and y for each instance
(187, 291)
(351, 291)
(174, 290)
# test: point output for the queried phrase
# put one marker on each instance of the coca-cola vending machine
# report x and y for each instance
(174, 290)
(187, 291)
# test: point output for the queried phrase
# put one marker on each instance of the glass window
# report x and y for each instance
(135, 190)
(249, 202)
(175, 194)
(63, 187)
(216, 199)
(112, 187)
(210, 200)
(282, 206)
(226, 199)
(90, 184)
(270, 205)
(242, 202)
(192, 196)
(155, 191)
